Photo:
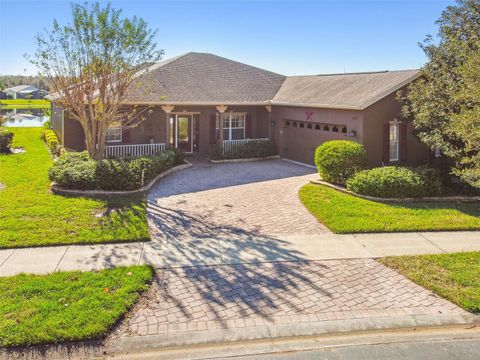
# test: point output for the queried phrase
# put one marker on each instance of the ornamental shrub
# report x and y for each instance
(74, 171)
(79, 171)
(6, 138)
(52, 142)
(243, 151)
(396, 182)
(338, 160)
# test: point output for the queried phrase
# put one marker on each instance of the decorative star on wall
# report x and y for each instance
(308, 115)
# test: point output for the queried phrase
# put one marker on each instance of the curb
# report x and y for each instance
(144, 189)
(399, 200)
(333, 327)
(244, 160)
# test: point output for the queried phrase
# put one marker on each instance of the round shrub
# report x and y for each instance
(6, 138)
(395, 182)
(338, 160)
(74, 171)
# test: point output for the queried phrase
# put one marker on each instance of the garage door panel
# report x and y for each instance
(300, 143)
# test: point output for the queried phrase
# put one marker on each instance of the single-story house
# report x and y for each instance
(200, 99)
(22, 92)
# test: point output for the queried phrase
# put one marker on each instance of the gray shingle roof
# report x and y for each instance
(204, 78)
(347, 91)
(22, 89)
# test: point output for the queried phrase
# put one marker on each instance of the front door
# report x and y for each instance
(184, 133)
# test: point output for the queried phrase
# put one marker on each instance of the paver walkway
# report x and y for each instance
(249, 295)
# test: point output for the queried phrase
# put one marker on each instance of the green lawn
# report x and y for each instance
(455, 277)
(32, 216)
(66, 306)
(34, 102)
(343, 213)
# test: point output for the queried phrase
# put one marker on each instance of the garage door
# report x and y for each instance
(300, 139)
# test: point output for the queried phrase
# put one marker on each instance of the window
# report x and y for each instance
(233, 126)
(114, 133)
(394, 141)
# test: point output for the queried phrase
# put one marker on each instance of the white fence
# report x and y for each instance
(230, 145)
(115, 151)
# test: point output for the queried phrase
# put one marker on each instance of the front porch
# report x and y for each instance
(191, 129)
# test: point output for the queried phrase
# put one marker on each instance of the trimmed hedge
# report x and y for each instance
(52, 141)
(6, 138)
(396, 182)
(338, 160)
(78, 171)
(243, 151)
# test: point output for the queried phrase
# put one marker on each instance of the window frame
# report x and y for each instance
(227, 116)
(118, 137)
(396, 126)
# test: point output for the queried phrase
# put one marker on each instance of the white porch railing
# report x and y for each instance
(135, 150)
(231, 145)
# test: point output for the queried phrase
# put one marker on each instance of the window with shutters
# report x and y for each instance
(114, 133)
(394, 141)
(233, 126)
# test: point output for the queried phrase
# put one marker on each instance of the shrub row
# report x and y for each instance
(52, 142)
(79, 171)
(343, 162)
(396, 182)
(6, 138)
(243, 151)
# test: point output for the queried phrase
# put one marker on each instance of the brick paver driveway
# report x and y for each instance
(247, 295)
(231, 201)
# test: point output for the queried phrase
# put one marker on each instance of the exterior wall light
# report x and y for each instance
(351, 133)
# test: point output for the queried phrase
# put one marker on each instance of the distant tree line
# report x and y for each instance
(7, 81)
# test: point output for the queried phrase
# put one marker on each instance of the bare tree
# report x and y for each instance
(90, 64)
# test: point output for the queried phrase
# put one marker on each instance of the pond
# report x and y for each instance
(24, 117)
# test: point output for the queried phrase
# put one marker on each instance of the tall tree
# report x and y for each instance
(90, 64)
(444, 104)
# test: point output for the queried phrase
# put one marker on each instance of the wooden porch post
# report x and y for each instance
(168, 109)
(269, 109)
(221, 109)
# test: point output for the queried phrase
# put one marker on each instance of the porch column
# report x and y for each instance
(269, 109)
(168, 110)
(221, 109)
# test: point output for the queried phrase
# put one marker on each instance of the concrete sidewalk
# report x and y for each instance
(235, 250)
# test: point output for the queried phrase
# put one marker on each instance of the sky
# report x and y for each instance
(288, 37)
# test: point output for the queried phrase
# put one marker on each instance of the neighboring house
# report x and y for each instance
(202, 99)
(22, 92)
